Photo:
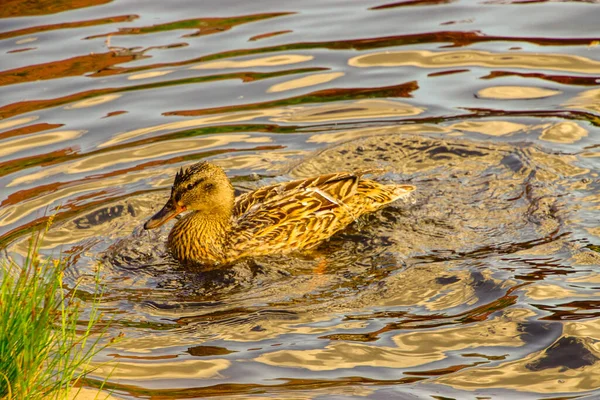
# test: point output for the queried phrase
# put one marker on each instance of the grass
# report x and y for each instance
(44, 349)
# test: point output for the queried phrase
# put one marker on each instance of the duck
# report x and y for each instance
(281, 218)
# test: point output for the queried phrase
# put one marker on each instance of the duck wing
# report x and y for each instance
(293, 215)
(339, 185)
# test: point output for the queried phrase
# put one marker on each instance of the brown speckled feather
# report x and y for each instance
(341, 184)
(300, 214)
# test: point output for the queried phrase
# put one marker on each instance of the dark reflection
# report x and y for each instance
(205, 26)
(566, 353)
(268, 35)
(207, 351)
(541, 333)
(102, 216)
(446, 280)
(410, 3)
(491, 358)
(444, 371)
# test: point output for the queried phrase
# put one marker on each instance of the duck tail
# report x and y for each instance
(401, 191)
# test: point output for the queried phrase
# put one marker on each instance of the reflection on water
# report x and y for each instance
(429, 59)
(492, 128)
(564, 132)
(44, 139)
(273, 61)
(484, 284)
(587, 100)
(516, 92)
(312, 80)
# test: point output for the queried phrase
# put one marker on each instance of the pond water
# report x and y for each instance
(483, 284)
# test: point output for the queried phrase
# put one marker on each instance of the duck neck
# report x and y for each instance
(200, 236)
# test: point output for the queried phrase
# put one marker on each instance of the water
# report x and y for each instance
(484, 284)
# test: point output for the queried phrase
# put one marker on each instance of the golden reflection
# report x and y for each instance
(315, 392)
(402, 160)
(564, 132)
(329, 390)
(587, 100)
(36, 141)
(135, 154)
(68, 234)
(492, 128)
(337, 112)
(447, 59)
(148, 75)
(549, 291)
(271, 61)
(588, 257)
(522, 376)
(186, 124)
(340, 136)
(94, 101)
(11, 123)
(342, 355)
(306, 81)
(516, 92)
(585, 329)
(421, 286)
(271, 161)
(360, 109)
(303, 325)
(412, 349)
(590, 154)
(502, 331)
(82, 393)
(543, 249)
(594, 199)
(553, 167)
(588, 276)
(148, 344)
(515, 375)
(26, 40)
(178, 369)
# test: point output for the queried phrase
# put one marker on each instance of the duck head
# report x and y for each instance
(202, 187)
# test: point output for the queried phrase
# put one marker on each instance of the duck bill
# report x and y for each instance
(169, 211)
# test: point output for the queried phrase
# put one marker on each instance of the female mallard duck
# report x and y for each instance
(275, 219)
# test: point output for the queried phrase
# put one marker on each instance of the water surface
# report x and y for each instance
(484, 284)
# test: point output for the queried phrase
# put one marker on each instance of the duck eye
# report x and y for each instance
(190, 186)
